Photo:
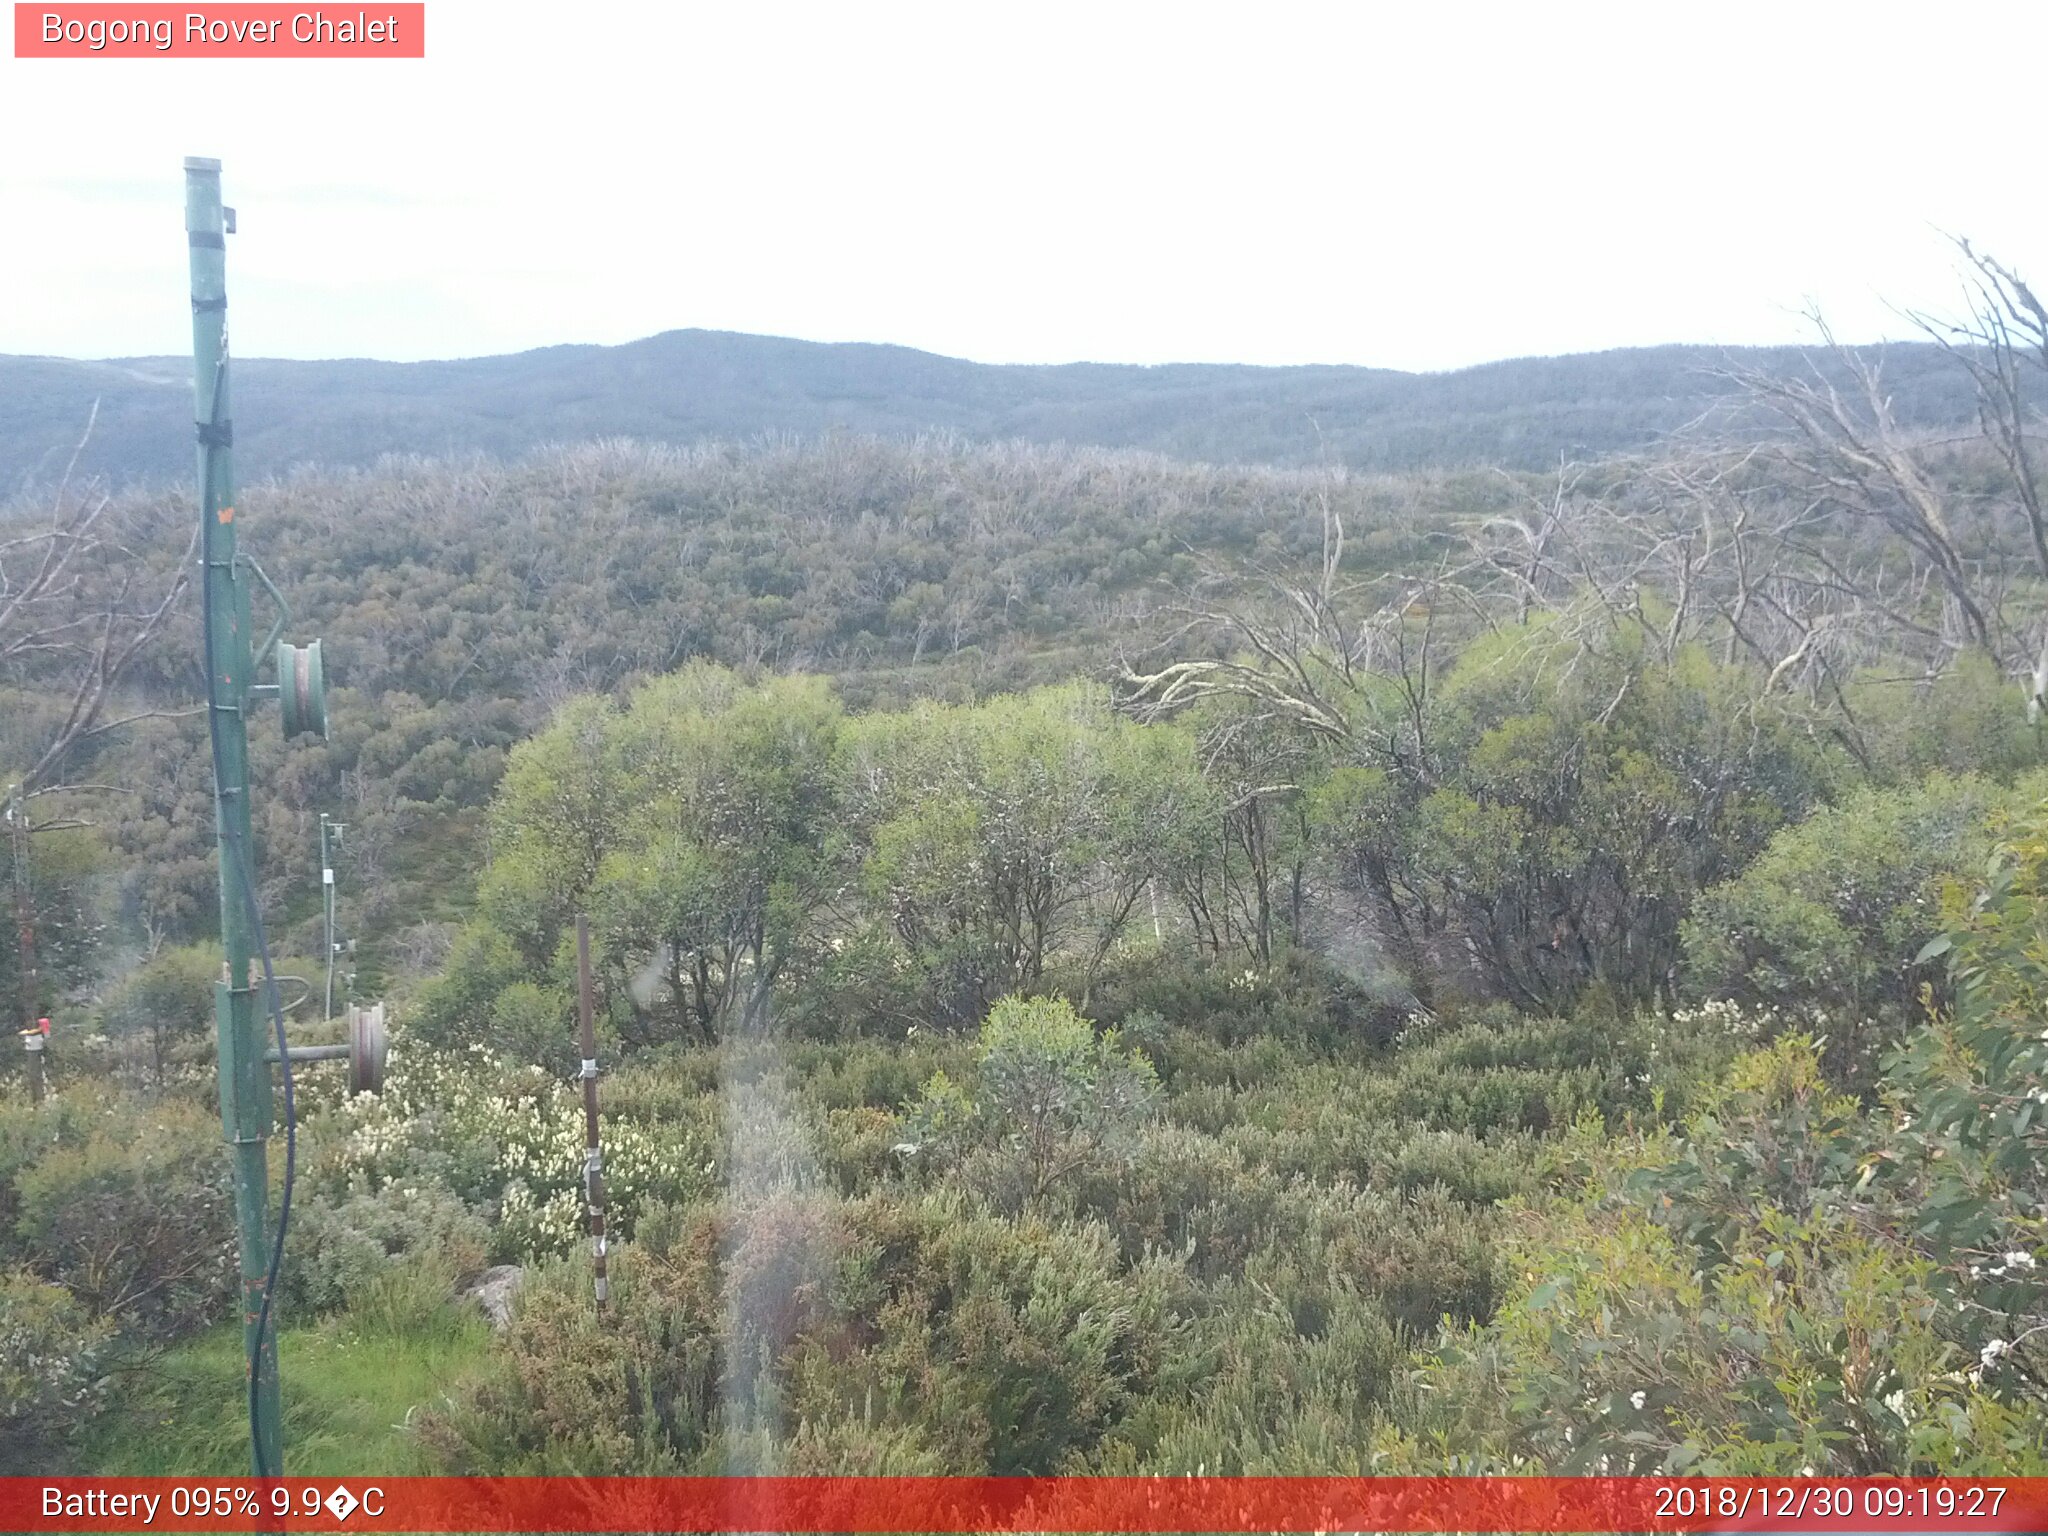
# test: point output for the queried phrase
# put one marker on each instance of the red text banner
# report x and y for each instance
(1062, 1504)
(225, 31)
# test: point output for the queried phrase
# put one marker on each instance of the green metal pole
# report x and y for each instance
(244, 1077)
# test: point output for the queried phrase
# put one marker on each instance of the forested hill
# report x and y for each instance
(685, 386)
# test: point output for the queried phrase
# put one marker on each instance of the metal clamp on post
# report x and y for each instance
(301, 685)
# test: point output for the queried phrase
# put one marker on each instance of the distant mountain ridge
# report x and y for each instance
(691, 385)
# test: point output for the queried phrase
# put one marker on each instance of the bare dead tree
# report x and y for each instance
(2004, 336)
(1800, 538)
(75, 612)
(1299, 646)
(1703, 543)
(1844, 456)
(77, 608)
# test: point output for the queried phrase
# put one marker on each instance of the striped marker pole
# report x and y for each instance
(593, 1156)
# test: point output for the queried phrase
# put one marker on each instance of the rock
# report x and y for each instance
(494, 1289)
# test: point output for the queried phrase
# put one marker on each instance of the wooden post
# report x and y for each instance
(24, 905)
(593, 1157)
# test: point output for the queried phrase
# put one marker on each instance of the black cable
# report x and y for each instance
(291, 1149)
(231, 840)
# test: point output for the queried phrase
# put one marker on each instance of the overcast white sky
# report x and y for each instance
(1415, 185)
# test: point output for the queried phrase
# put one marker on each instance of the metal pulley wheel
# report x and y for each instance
(302, 689)
(367, 1045)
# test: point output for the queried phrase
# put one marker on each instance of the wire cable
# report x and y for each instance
(233, 850)
(265, 1323)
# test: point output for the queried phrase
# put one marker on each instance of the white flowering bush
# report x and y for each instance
(1692, 1048)
(509, 1139)
(1725, 1016)
(1749, 1023)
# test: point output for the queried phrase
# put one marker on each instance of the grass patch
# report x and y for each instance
(348, 1387)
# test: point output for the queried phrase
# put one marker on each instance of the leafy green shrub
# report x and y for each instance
(855, 1447)
(1469, 1170)
(65, 886)
(857, 1148)
(1418, 1249)
(871, 1074)
(167, 1004)
(1418, 1257)
(1828, 923)
(767, 1141)
(779, 1256)
(662, 1083)
(1777, 1136)
(1015, 1344)
(1301, 1000)
(534, 1023)
(1049, 1098)
(1968, 1151)
(1328, 1123)
(1424, 1256)
(1969, 719)
(137, 1220)
(1496, 1036)
(662, 1227)
(1256, 1395)
(796, 1327)
(1509, 1098)
(53, 1355)
(1190, 1059)
(1774, 1291)
(455, 1008)
(1690, 1051)
(1187, 1194)
(29, 1132)
(339, 1246)
(633, 1392)
(1618, 1354)
(1576, 792)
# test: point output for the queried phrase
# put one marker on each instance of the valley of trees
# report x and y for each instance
(1107, 964)
(691, 387)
